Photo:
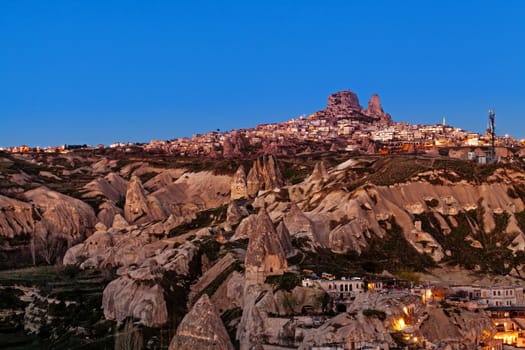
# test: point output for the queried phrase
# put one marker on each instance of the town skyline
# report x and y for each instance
(345, 125)
(442, 119)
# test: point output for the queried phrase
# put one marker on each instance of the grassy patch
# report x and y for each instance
(392, 170)
(492, 257)
(287, 281)
(294, 172)
(324, 260)
(79, 295)
(393, 252)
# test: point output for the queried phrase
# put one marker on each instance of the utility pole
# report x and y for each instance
(492, 130)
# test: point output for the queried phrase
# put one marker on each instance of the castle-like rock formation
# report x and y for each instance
(345, 105)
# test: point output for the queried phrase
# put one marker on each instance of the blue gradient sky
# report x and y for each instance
(103, 71)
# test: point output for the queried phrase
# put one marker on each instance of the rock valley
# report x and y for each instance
(260, 248)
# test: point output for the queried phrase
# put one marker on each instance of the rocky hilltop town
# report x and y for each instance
(340, 230)
(342, 126)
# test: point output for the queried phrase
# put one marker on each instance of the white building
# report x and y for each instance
(343, 288)
(492, 296)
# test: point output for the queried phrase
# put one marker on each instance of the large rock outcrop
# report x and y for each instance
(264, 175)
(351, 330)
(342, 104)
(126, 297)
(343, 220)
(201, 328)
(298, 224)
(62, 216)
(112, 187)
(345, 105)
(239, 186)
(374, 109)
(186, 196)
(193, 192)
(343, 101)
(265, 255)
(138, 291)
(137, 208)
(16, 217)
(466, 328)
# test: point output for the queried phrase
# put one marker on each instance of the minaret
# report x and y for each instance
(444, 121)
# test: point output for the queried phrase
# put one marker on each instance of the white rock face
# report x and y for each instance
(137, 208)
(138, 293)
(298, 224)
(238, 186)
(189, 194)
(62, 216)
(346, 329)
(127, 297)
(342, 221)
(16, 217)
(111, 186)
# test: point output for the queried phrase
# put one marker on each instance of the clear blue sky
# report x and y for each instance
(103, 71)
